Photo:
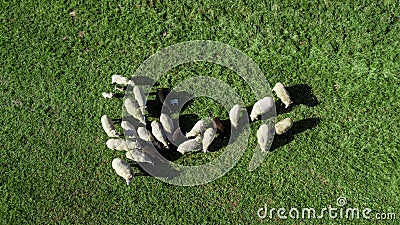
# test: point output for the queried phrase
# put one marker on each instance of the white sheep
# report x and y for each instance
(138, 156)
(123, 169)
(108, 126)
(208, 138)
(158, 133)
(129, 130)
(261, 106)
(282, 94)
(263, 137)
(120, 144)
(145, 135)
(234, 115)
(167, 123)
(283, 126)
(140, 97)
(197, 129)
(107, 95)
(133, 109)
(118, 79)
(189, 145)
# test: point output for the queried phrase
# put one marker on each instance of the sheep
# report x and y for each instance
(138, 156)
(120, 144)
(140, 97)
(107, 95)
(234, 115)
(189, 145)
(282, 94)
(129, 130)
(283, 126)
(133, 109)
(146, 135)
(208, 138)
(118, 79)
(167, 123)
(197, 129)
(108, 126)
(158, 133)
(123, 169)
(263, 137)
(261, 106)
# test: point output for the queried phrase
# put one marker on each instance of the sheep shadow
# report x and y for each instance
(300, 94)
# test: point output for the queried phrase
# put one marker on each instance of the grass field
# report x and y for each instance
(55, 167)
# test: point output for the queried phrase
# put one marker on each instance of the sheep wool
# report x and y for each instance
(120, 144)
(123, 169)
(118, 79)
(140, 97)
(189, 145)
(144, 134)
(283, 126)
(108, 126)
(167, 123)
(261, 106)
(107, 95)
(197, 129)
(208, 138)
(158, 133)
(234, 115)
(129, 130)
(263, 137)
(282, 94)
(133, 109)
(138, 156)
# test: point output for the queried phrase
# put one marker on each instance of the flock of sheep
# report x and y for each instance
(199, 137)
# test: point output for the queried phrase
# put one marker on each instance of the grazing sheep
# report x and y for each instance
(283, 126)
(133, 109)
(108, 126)
(120, 144)
(282, 94)
(167, 123)
(158, 133)
(197, 129)
(138, 156)
(145, 135)
(129, 130)
(261, 106)
(189, 145)
(118, 79)
(123, 169)
(140, 97)
(234, 115)
(107, 95)
(263, 137)
(209, 136)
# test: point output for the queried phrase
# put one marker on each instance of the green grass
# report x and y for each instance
(55, 167)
